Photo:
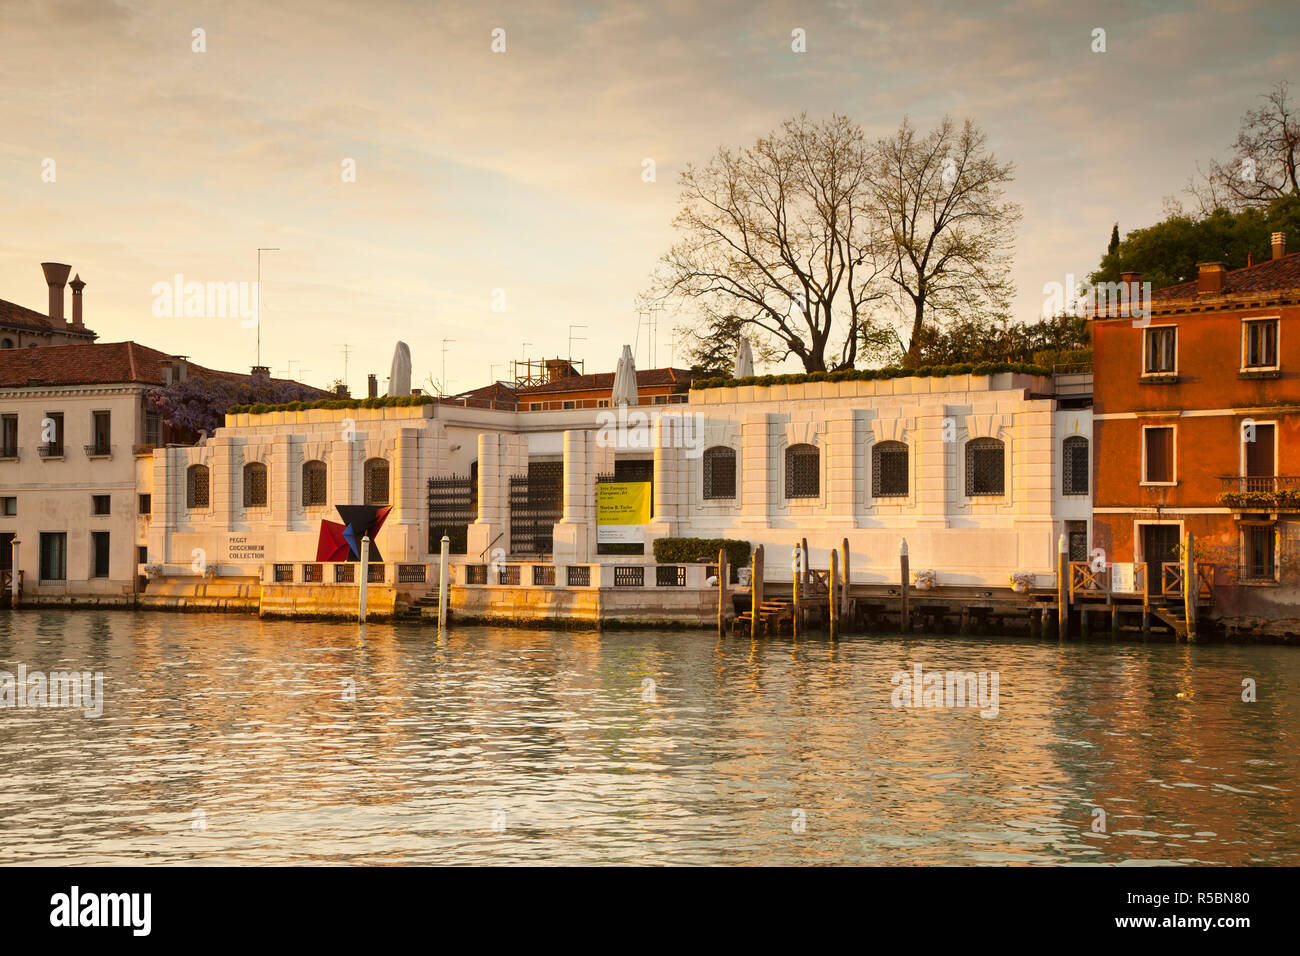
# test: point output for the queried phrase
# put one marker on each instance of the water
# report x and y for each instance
(225, 739)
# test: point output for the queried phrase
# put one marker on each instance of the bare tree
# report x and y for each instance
(950, 227)
(1265, 161)
(778, 242)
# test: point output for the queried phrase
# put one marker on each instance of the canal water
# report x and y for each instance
(226, 739)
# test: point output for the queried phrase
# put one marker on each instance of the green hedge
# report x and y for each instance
(701, 551)
(385, 401)
(870, 374)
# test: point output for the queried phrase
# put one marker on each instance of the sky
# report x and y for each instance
(514, 179)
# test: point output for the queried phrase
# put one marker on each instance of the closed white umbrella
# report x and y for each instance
(399, 376)
(624, 391)
(744, 367)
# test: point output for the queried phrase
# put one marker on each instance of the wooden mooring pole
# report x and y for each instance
(1062, 589)
(1190, 586)
(905, 619)
(722, 591)
(797, 565)
(833, 607)
(845, 595)
(755, 589)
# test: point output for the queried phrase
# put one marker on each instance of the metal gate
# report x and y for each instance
(536, 503)
(453, 507)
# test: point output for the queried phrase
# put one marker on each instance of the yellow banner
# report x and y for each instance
(622, 509)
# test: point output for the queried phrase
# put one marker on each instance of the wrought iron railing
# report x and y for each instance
(1250, 484)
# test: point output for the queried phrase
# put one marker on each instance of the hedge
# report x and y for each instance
(701, 551)
(384, 401)
(870, 374)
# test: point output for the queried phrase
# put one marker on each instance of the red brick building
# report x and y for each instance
(1196, 419)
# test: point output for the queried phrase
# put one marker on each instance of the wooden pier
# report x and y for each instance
(1081, 602)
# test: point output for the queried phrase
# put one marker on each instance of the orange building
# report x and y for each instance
(1196, 419)
(558, 384)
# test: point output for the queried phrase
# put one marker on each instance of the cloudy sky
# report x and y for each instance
(521, 171)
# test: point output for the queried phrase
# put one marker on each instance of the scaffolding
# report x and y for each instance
(529, 372)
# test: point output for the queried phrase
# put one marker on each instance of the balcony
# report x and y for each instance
(51, 450)
(99, 451)
(1260, 492)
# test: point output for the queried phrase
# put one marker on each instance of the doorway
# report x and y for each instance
(1159, 544)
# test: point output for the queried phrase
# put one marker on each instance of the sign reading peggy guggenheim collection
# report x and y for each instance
(622, 512)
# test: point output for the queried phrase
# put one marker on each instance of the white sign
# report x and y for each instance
(1121, 578)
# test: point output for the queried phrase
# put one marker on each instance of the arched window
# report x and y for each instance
(719, 472)
(1074, 465)
(196, 486)
(376, 481)
(985, 467)
(889, 470)
(255, 485)
(313, 483)
(7, 344)
(802, 472)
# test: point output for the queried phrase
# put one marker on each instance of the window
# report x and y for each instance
(7, 344)
(1259, 344)
(9, 436)
(101, 434)
(99, 552)
(314, 573)
(9, 506)
(141, 554)
(1158, 448)
(889, 470)
(376, 481)
(54, 556)
(313, 484)
(1074, 465)
(1258, 444)
(52, 435)
(985, 467)
(101, 504)
(196, 486)
(152, 428)
(1257, 553)
(1077, 537)
(719, 473)
(570, 405)
(283, 574)
(255, 485)
(534, 406)
(146, 504)
(1161, 347)
(802, 472)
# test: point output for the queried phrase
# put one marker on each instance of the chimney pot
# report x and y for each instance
(261, 373)
(1211, 278)
(56, 277)
(1279, 245)
(372, 386)
(77, 285)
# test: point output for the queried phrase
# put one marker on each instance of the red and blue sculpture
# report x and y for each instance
(342, 542)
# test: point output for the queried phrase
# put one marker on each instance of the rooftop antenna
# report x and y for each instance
(443, 384)
(260, 250)
(345, 349)
(580, 338)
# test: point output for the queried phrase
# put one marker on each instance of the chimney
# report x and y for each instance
(341, 391)
(56, 276)
(1210, 280)
(372, 386)
(77, 286)
(1279, 245)
(261, 373)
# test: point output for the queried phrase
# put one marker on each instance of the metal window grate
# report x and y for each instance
(412, 573)
(1074, 465)
(670, 576)
(453, 507)
(255, 485)
(985, 467)
(536, 503)
(889, 470)
(345, 573)
(313, 484)
(579, 575)
(543, 575)
(476, 574)
(313, 573)
(375, 574)
(283, 573)
(196, 486)
(509, 574)
(802, 472)
(720, 473)
(376, 481)
(629, 576)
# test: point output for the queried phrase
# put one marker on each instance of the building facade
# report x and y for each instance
(22, 328)
(1197, 418)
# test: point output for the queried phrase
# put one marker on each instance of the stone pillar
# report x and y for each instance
(934, 464)
(571, 533)
(408, 502)
(225, 489)
(755, 449)
(280, 480)
(843, 467)
(667, 459)
(168, 496)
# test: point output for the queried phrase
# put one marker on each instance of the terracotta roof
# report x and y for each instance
(1274, 275)
(15, 316)
(109, 363)
(604, 381)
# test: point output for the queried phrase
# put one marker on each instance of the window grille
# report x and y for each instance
(313, 573)
(345, 573)
(375, 574)
(629, 576)
(313, 484)
(196, 486)
(889, 470)
(376, 481)
(802, 472)
(509, 574)
(476, 574)
(412, 573)
(543, 575)
(255, 485)
(283, 573)
(720, 473)
(1074, 465)
(579, 575)
(985, 467)
(670, 576)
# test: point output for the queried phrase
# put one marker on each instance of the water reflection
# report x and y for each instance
(309, 742)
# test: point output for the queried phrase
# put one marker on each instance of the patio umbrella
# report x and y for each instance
(624, 390)
(744, 367)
